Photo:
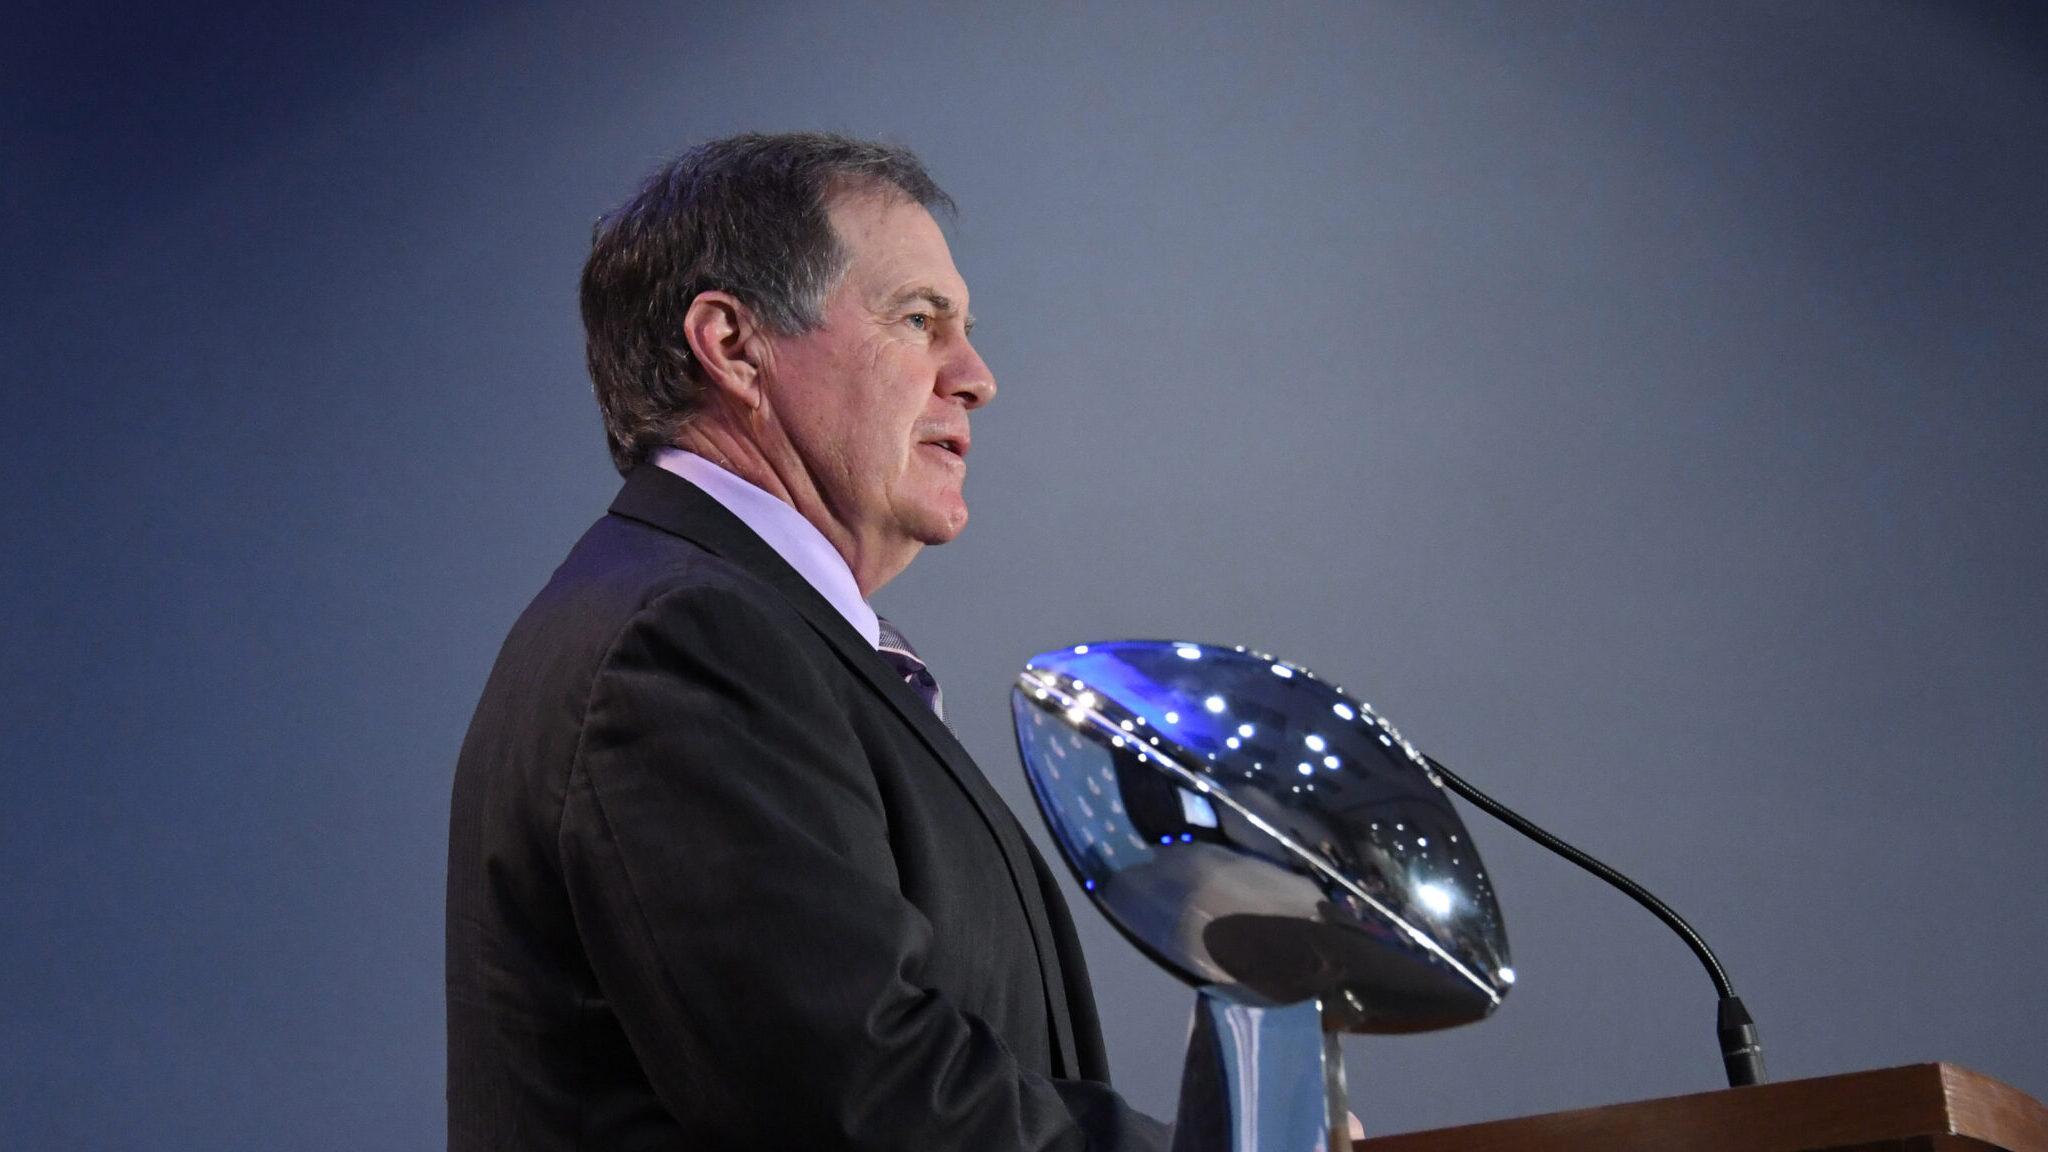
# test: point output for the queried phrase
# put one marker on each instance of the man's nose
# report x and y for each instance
(968, 378)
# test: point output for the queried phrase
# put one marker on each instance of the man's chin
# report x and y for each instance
(942, 526)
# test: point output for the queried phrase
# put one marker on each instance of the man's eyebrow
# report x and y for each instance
(941, 303)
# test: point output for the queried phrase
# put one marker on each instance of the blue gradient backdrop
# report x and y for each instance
(1642, 405)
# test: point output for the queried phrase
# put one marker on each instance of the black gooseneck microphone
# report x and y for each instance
(1741, 1054)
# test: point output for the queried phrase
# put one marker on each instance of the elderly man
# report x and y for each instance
(719, 875)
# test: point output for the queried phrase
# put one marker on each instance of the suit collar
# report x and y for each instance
(672, 504)
(666, 501)
(663, 500)
(783, 528)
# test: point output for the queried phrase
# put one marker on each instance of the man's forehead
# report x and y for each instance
(897, 250)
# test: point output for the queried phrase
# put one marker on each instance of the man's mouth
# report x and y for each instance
(948, 444)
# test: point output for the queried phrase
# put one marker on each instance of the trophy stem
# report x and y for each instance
(1260, 1077)
(1336, 1100)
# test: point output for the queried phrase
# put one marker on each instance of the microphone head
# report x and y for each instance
(1245, 823)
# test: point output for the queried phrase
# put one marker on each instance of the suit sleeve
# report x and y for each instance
(727, 860)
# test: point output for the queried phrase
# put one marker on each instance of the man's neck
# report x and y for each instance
(791, 483)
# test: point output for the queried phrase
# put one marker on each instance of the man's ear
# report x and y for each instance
(727, 344)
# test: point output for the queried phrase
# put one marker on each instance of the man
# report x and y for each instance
(719, 876)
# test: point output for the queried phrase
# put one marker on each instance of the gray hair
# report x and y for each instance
(746, 215)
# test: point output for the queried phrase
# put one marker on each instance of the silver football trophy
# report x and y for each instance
(1274, 843)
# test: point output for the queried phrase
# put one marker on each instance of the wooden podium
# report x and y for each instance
(1918, 1108)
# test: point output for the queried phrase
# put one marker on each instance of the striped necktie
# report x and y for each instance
(904, 659)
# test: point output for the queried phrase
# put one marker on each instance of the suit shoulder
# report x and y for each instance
(625, 583)
(622, 568)
(628, 599)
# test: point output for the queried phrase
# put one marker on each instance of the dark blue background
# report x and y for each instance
(1642, 406)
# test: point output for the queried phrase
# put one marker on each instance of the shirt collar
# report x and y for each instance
(784, 529)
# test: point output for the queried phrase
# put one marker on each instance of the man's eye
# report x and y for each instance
(920, 321)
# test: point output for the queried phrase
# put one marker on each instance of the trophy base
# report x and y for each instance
(1260, 1077)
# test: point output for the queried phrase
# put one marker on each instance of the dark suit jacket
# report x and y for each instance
(718, 879)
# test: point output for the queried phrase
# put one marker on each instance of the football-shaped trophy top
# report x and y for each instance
(1248, 825)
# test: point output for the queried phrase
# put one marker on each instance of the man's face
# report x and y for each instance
(874, 402)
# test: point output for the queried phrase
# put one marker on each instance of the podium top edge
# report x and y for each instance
(1867, 1107)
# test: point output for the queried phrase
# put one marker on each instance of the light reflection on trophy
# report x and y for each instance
(1278, 845)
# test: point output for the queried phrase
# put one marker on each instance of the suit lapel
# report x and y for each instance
(666, 501)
